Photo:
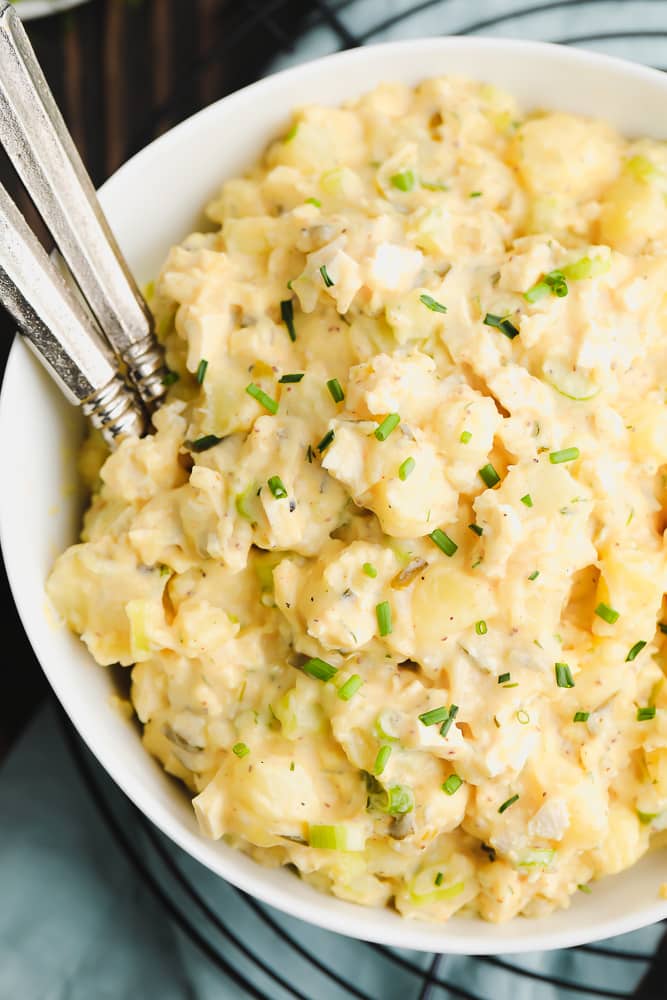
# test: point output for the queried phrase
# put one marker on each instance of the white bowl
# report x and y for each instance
(152, 202)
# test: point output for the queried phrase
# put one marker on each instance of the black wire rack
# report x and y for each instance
(209, 915)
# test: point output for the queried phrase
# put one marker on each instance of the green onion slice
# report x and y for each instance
(293, 377)
(404, 180)
(241, 750)
(287, 316)
(476, 528)
(201, 371)
(447, 724)
(432, 304)
(581, 716)
(170, 377)
(634, 652)
(564, 676)
(434, 716)
(383, 755)
(646, 713)
(326, 278)
(350, 687)
(564, 455)
(277, 487)
(369, 570)
(389, 424)
(203, 443)
(452, 784)
(405, 468)
(383, 613)
(481, 628)
(507, 803)
(503, 324)
(343, 837)
(262, 398)
(325, 442)
(319, 669)
(503, 678)
(336, 390)
(607, 614)
(443, 541)
(489, 475)
(527, 500)
(466, 437)
(534, 575)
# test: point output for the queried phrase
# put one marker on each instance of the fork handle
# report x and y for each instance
(59, 330)
(33, 132)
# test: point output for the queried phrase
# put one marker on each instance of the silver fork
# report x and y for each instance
(59, 328)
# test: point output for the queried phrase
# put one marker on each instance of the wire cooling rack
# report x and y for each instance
(234, 932)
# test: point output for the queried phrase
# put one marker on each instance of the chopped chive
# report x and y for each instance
(319, 669)
(607, 614)
(581, 716)
(646, 713)
(383, 613)
(369, 570)
(432, 304)
(503, 678)
(503, 324)
(291, 765)
(405, 468)
(383, 755)
(203, 443)
(507, 803)
(584, 888)
(389, 424)
(336, 390)
(534, 575)
(325, 442)
(564, 676)
(287, 316)
(634, 652)
(294, 377)
(553, 282)
(565, 455)
(663, 627)
(201, 371)
(522, 717)
(439, 879)
(446, 726)
(328, 283)
(269, 404)
(527, 500)
(452, 784)
(170, 377)
(314, 201)
(646, 818)
(434, 716)
(489, 475)
(481, 627)
(443, 541)
(277, 487)
(350, 687)
(241, 750)
(404, 180)
(292, 132)
(513, 685)
(466, 436)
(309, 455)
(476, 528)
(434, 185)
(475, 194)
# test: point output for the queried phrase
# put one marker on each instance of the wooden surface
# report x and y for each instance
(123, 71)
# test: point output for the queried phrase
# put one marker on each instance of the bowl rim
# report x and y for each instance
(315, 910)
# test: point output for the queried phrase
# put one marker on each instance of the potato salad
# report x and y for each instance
(389, 572)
